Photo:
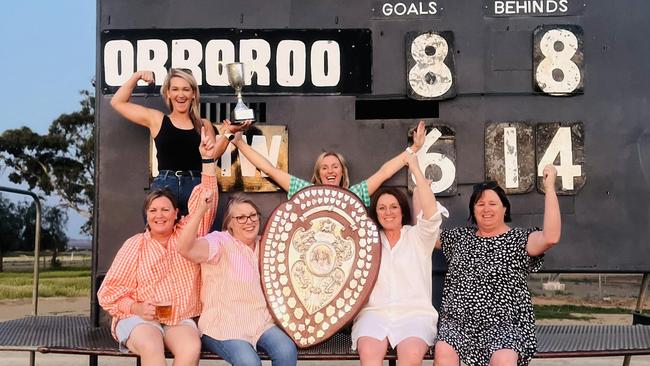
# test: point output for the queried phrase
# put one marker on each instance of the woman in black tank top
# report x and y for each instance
(176, 135)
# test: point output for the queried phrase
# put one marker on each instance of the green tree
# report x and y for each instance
(60, 162)
(53, 235)
(11, 226)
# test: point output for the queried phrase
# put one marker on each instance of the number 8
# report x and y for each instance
(430, 65)
(561, 60)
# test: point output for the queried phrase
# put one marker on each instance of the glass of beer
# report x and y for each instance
(164, 311)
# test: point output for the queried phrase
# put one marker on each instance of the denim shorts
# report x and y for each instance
(125, 326)
(180, 185)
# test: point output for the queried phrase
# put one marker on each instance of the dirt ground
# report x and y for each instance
(601, 290)
(607, 290)
(15, 309)
(613, 291)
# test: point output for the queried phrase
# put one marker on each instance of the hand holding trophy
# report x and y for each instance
(241, 113)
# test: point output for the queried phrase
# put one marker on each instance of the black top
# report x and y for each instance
(177, 149)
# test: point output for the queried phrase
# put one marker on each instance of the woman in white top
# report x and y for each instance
(399, 310)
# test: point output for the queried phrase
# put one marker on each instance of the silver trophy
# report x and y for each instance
(241, 112)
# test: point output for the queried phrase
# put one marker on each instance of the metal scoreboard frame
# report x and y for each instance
(504, 86)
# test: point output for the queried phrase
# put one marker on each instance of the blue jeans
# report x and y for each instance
(180, 186)
(274, 342)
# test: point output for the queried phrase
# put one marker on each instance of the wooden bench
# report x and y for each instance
(76, 335)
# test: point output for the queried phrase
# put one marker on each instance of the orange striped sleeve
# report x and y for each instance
(117, 292)
(208, 183)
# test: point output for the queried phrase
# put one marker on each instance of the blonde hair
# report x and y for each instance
(345, 179)
(195, 110)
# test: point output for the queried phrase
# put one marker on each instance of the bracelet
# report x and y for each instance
(409, 150)
(207, 161)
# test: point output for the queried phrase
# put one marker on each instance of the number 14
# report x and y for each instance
(516, 153)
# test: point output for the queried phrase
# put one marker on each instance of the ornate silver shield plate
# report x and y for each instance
(319, 260)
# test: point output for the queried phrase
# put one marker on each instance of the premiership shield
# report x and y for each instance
(319, 259)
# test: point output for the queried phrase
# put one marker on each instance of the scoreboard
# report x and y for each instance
(504, 86)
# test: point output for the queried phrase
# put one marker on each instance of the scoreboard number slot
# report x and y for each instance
(510, 155)
(430, 65)
(516, 153)
(437, 159)
(558, 60)
(565, 151)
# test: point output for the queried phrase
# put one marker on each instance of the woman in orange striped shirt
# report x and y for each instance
(148, 270)
(235, 320)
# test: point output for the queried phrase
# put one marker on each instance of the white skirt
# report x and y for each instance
(371, 323)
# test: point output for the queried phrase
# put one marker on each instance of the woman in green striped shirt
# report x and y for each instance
(331, 169)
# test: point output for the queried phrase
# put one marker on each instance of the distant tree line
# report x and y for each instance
(61, 163)
(17, 228)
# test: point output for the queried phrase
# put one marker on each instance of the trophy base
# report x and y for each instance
(239, 116)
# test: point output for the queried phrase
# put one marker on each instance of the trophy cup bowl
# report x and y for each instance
(241, 112)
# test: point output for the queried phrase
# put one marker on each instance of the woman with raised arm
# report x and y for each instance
(235, 320)
(148, 272)
(487, 315)
(399, 311)
(331, 169)
(176, 134)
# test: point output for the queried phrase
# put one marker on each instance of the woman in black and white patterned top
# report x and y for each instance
(487, 315)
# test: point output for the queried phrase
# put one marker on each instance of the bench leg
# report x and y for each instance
(639, 306)
(392, 362)
(92, 360)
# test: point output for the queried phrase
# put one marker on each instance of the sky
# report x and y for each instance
(48, 56)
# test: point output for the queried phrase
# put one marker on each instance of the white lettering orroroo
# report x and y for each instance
(123, 57)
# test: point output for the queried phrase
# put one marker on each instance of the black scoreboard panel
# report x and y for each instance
(505, 86)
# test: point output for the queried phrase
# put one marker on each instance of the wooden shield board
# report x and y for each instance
(319, 259)
(236, 172)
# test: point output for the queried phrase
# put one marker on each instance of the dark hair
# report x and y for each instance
(157, 193)
(236, 199)
(478, 192)
(399, 196)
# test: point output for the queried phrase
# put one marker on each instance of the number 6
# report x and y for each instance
(444, 179)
